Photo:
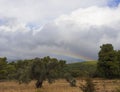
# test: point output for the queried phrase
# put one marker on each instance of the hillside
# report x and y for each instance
(82, 68)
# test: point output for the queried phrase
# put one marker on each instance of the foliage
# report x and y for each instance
(69, 78)
(39, 69)
(72, 83)
(79, 69)
(23, 71)
(108, 63)
(118, 58)
(11, 71)
(3, 68)
(82, 69)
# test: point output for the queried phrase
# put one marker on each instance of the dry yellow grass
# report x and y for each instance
(16, 87)
(58, 86)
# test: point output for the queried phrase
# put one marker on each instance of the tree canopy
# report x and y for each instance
(108, 62)
(39, 69)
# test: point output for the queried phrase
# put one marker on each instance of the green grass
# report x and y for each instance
(82, 68)
(81, 65)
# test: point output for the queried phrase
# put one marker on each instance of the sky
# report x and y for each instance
(63, 29)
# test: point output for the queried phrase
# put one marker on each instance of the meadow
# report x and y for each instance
(59, 86)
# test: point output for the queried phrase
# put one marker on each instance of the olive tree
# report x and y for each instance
(41, 69)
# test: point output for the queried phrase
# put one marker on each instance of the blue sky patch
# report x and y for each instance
(3, 21)
(113, 3)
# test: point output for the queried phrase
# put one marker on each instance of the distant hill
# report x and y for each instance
(82, 68)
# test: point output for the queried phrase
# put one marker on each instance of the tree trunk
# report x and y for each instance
(39, 83)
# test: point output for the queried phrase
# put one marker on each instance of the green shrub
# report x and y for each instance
(73, 83)
(88, 86)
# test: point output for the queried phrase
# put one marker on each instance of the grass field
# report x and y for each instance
(59, 86)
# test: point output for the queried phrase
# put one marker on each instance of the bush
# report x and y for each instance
(88, 87)
(73, 83)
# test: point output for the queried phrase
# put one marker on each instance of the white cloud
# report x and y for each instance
(42, 10)
(91, 27)
(80, 32)
(97, 16)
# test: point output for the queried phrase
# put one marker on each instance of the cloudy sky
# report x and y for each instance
(59, 28)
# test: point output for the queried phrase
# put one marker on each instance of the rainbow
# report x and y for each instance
(72, 55)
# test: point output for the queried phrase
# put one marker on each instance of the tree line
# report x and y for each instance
(39, 69)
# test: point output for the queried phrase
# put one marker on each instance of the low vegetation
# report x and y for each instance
(89, 86)
(82, 69)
